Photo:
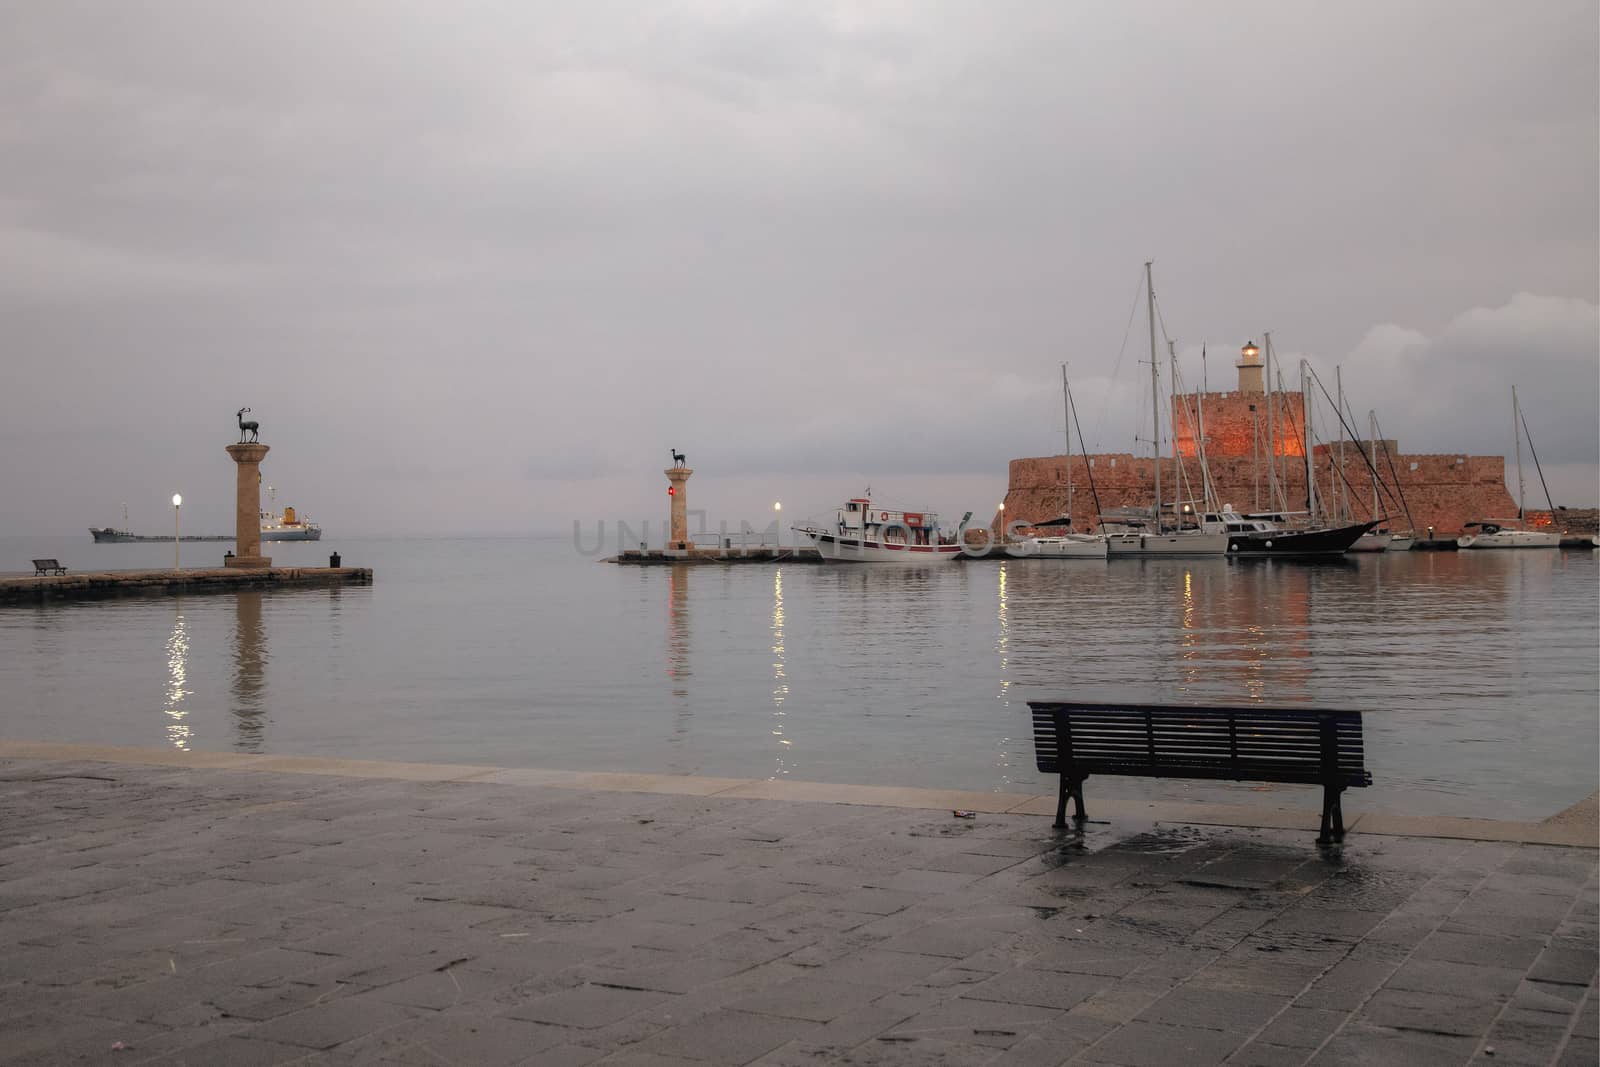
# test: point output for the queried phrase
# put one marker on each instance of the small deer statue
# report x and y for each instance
(677, 458)
(252, 427)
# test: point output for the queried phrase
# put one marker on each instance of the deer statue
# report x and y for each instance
(252, 427)
(677, 458)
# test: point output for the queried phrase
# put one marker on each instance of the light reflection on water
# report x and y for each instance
(1478, 671)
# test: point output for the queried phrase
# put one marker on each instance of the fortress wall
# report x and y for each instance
(1443, 491)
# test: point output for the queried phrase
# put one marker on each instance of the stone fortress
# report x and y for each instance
(1442, 491)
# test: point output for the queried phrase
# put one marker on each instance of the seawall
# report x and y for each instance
(97, 585)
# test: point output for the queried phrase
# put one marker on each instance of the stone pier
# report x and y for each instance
(247, 509)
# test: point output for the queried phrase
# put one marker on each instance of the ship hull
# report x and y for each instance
(299, 533)
(1510, 539)
(1059, 548)
(1329, 541)
(834, 549)
(1166, 546)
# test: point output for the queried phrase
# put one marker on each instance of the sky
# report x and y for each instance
(480, 267)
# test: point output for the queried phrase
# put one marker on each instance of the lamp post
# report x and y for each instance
(177, 510)
(777, 509)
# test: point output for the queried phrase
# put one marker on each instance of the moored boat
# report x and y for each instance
(1263, 535)
(1067, 546)
(1502, 533)
(1494, 535)
(864, 533)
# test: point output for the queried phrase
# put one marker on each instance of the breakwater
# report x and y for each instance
(768, 554)
(97, 585)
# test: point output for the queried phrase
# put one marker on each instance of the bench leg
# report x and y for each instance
(1332, 815)
(1070, 787)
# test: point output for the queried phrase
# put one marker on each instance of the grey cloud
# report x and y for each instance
(535, 244)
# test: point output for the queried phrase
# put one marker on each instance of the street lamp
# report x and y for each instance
(177, 508)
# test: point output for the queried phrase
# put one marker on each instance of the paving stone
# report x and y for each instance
(1212, 1009)
(1265, 1054)
(326, 1025)
(1299, 1027)
(1483, 949)
(728, 1036)
(1043, 988)
(818, 998)
(1346, 986)
(1580, 1052)
(975, 1022)
(1464, 979)
(586, 1007)
(1565, 966)
(1441, 1013)
(1149, 1044)
(1365, 1045)
(234, 1050)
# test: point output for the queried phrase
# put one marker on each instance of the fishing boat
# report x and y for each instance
(1511, 533)
(1067, 545)
(862, 532)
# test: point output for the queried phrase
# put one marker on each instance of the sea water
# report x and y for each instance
(1477, 671)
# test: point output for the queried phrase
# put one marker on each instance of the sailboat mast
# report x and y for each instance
(1372, 446)
(1178, 477)
(1341, 498)
(1516, 435)
(1272, 455)
(1155, 393)
(1066, 409)
(1305, 405)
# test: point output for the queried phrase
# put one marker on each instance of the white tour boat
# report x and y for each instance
(866, 533)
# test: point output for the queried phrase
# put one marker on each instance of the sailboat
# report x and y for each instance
(1068, 545)
(1504, 533)
(1379, 540)
(1131, 539)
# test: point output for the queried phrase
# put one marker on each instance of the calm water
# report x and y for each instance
(1479, 670)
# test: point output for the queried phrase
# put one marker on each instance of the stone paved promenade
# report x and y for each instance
(195, 915)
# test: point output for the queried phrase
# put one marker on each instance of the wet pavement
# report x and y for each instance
(152, 914)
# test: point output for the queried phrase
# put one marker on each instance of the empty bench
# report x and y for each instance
(1313, 746)
(47, 566)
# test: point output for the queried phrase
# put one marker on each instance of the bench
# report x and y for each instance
(1314, 746)
(47, 566)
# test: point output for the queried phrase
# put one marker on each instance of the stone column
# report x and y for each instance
(247, 515)
(679, 477)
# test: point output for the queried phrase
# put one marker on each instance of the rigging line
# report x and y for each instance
(1388, 459)
(1529, 433)
(1334, 404)
(1087, 465)
(1117, 367)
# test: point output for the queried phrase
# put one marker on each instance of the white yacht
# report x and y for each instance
(1494, 535)
(1501, 533)
(1067, 546)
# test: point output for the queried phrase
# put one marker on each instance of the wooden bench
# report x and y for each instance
(1315, 746)
(47, 566)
